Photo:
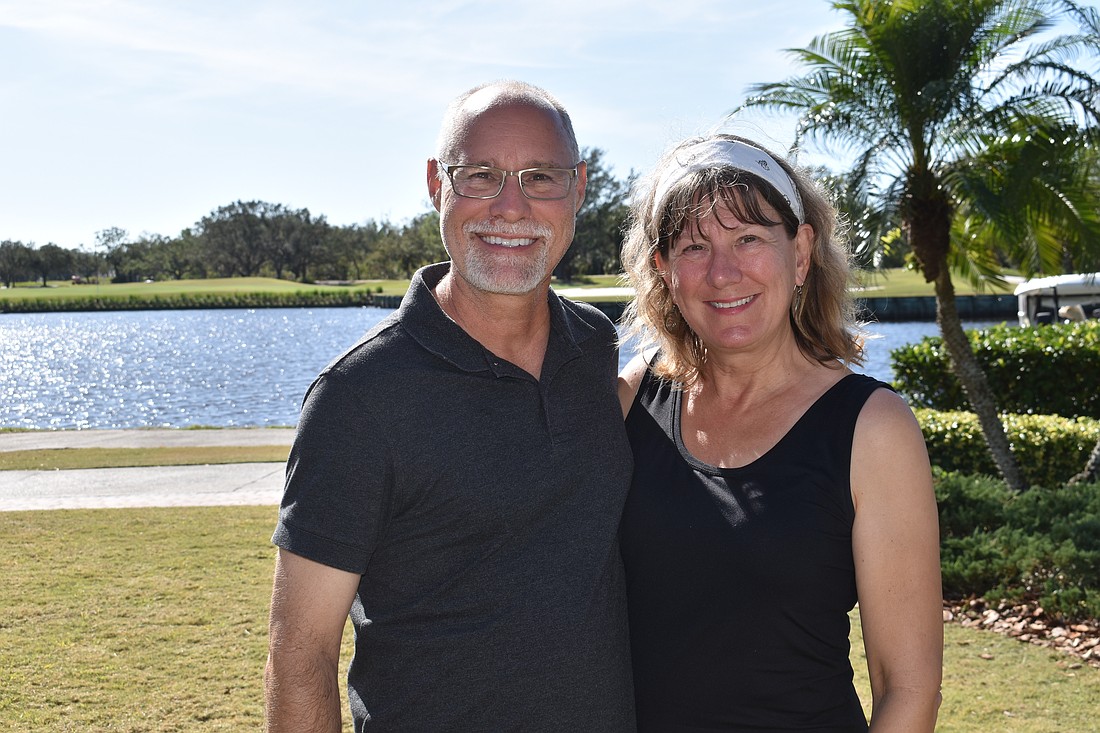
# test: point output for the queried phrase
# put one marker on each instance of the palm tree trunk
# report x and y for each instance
(1091, 471)
(974, 383)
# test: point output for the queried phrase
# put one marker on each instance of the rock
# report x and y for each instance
(1029, 624)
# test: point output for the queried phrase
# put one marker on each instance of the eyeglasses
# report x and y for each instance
(486, 182)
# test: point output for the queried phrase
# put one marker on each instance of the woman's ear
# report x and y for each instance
(660, 264)
(803, 251)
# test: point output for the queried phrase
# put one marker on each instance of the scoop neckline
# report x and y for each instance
(692, 460)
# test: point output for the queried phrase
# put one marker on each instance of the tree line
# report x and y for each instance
(258, 238)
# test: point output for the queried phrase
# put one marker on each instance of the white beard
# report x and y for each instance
(507, 273)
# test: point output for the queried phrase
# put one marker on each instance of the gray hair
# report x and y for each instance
(508, 91)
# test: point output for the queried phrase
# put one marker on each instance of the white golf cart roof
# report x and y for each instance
(1076, 284)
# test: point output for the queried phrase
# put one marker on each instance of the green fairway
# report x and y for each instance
(155, 620)
(886, 283)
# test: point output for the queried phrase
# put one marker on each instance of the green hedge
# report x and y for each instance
(1050, 370)
(303, 299)
(1049, 449)
(1042, 546)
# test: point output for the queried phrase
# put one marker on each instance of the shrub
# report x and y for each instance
(1042, 546)
(1047, 370)
(970, 503)
(300, 299)
(1049, 449)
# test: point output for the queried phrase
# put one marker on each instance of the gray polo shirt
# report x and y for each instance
(481, 508)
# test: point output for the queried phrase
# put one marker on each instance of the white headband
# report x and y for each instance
(727, 154)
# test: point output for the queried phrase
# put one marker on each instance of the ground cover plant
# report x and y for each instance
(143, 620)
(1041, 547)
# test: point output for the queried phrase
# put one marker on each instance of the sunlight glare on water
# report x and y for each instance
(221, 368)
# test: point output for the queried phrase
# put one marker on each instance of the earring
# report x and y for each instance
(672, 319)
(797, 306)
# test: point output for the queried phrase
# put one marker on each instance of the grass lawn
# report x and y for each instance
(165, 288)
(887, 283)
(143, 620)
(901, 283)
(64, 458)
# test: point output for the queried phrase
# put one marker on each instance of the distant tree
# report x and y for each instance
(294, 240)
(16, 262)
(133, 261)
(52, 262)
(598, 240)
(345, 250)
(399, 253)
(107, 242)
(85, 263)
(421, 243)
(173, 258)
(191, 257)
(233, 238)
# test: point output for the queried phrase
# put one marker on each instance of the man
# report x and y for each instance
(457, 477)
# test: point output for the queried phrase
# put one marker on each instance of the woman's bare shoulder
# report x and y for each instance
(630, 379)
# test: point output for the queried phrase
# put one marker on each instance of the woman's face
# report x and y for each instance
(733, 281)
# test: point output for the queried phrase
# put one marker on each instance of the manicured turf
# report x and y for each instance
(155, 620)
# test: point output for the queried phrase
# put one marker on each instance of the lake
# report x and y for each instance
(220, 368)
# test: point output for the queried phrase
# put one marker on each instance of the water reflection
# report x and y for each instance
(167, 368)
(225, 368)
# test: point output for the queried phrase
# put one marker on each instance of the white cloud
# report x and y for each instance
(147, 114)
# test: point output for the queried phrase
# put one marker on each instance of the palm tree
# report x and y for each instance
(969, 125)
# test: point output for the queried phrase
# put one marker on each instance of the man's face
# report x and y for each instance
(509, 244)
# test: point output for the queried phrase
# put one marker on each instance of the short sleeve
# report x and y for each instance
(338, 479)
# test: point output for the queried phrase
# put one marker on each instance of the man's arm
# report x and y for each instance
(309, 606)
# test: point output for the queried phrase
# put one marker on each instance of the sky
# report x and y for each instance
(149, 114)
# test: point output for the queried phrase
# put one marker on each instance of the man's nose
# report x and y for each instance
(511, 203)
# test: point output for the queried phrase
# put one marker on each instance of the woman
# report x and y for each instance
(773, 487)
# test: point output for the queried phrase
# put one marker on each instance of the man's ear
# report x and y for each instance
(582, 183)
(435, 185)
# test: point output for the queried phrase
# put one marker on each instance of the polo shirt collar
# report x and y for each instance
(424, 320)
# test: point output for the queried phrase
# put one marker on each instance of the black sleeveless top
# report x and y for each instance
(740, 580)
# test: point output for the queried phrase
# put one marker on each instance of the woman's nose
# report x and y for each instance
(724, 267)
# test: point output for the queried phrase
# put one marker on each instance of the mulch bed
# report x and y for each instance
(1029, 624)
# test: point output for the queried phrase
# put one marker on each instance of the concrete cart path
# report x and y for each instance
(209, 485)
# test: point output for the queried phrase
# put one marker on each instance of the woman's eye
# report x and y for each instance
(693, 250)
